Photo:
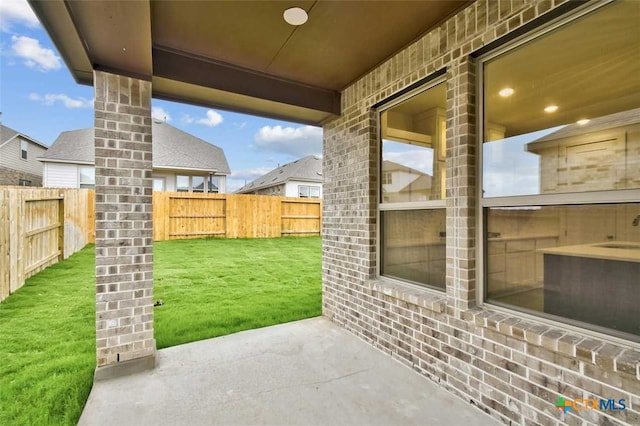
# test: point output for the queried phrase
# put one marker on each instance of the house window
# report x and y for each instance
(308, 191)
(197, 183)
(158, 184)
(23, 149)
(412, 187)
(182, 183)
(24, 182)
(213, 185)
(561, 172)
(87, 177)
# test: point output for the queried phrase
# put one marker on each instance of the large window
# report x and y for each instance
(561, 171)
(412, 189)
(87, 177)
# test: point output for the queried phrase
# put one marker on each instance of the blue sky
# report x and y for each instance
(38, 97)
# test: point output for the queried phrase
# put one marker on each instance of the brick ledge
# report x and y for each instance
(423, 297)
(567, 342)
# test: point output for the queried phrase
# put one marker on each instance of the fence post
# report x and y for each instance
(4, 245)
(61, 227)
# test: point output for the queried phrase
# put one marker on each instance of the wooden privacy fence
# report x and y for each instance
(39, 227)
(179, 215)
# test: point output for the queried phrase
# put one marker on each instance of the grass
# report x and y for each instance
(209, 288)
(239, 285)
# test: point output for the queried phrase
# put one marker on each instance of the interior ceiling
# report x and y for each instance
(242, 54)
(560, 68)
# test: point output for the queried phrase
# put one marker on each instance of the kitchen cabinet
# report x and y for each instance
(594, 283)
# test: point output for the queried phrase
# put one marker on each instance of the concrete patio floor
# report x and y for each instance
(309, 372)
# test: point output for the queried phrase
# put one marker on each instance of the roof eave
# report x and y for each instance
(64, 161)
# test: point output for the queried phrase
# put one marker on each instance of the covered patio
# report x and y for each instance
(309, 372)
(412, 274)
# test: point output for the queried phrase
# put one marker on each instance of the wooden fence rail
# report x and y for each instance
(39, 227)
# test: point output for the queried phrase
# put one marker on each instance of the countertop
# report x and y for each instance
(596, 251)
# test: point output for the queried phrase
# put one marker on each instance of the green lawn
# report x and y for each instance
(208, 287)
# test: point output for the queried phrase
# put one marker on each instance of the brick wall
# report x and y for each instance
(513, 368)
(272, 190)
(124, 250)
(12, 177)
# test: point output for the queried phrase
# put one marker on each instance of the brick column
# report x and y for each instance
(461, 187)
(124, 234)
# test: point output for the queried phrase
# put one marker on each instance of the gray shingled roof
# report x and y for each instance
(308, 169)
(171, 148)
(7, 133)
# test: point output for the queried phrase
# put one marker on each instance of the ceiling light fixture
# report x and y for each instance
(295, 16)
(583, 121)
(551, 108)
(506, 92)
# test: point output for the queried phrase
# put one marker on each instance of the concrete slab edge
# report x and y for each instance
(125, 368)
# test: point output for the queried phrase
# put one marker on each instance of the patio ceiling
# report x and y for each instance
(239, 55)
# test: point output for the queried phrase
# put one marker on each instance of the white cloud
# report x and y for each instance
(240, 125)
(51, 98)
(212, 119)
(158, 113)
(297, 142)
(418, 159)
(250, 174)
(34, 55)
(16, 12)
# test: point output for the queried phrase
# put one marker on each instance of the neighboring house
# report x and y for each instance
(18, 158)
(181, 162)
(300, 178)
(401, 183)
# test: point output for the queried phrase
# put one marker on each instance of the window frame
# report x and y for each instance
(24, 150)
(421, 86)
(300, 188)
(595, 198)
(311, 188)
(159, 179)
(80, 183)
(188, 183)
(192, 186)
(209, 183)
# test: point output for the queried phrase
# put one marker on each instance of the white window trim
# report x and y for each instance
(559, 199)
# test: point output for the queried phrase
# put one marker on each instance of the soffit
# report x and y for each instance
(241, 48)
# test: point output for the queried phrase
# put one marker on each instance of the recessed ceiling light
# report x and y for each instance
(583, 121)
(506, 92)
(295, 16)
(551, 108)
